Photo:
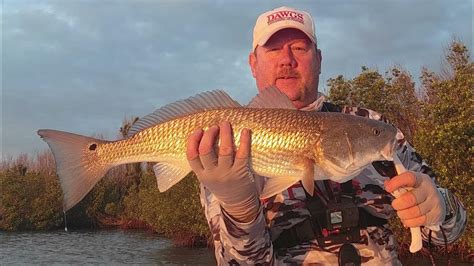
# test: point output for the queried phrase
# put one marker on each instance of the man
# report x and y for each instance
(287, 228)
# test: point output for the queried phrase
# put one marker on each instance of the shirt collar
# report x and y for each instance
(316, 105)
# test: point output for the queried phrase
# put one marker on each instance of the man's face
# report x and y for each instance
(291, 62)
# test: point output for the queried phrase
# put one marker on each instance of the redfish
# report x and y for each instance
(287, 145)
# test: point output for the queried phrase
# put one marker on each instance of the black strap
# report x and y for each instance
(347, 188)
(304, 231)
(367, 220)
(295, 235)
(330, 107)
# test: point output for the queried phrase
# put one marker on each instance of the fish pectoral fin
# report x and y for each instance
(276, 185)
(327, 170)
(167, 174)
(308, 176)
(319, 173)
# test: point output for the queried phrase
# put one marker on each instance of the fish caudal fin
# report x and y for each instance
(77, 163)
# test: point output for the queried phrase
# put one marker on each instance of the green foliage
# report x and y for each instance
(176, 213)
(446, 134)
(112, 209)
(29, 202)
(33, 201)
(103, 204)
(393, 95)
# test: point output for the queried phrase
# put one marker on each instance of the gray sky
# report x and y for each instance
(83, 66)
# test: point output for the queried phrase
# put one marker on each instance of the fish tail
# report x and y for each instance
(77, 163)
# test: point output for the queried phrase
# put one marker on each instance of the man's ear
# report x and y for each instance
(253, 63)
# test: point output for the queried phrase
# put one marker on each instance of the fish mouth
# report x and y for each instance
(389, 150)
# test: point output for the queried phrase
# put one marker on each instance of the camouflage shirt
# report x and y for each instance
(251, 243)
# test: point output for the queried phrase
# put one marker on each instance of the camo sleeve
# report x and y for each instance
(456, 218)
(237, 243)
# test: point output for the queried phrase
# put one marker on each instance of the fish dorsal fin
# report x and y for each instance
(271, 98)
(200, 102)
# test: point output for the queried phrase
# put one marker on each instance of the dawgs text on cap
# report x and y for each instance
(281, 18)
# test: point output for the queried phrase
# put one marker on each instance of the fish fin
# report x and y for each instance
(308, 176)
(76, 163)
(274, 186)
(200, 102)
(167, 175)
(319, 173)
(271, 98)
(326, 172)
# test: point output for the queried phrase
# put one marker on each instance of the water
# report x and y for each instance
(112, 247)
(96, 247)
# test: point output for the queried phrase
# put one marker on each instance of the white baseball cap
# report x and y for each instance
(281, 18)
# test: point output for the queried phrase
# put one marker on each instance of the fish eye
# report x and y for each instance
(376, 131)
(92, 147)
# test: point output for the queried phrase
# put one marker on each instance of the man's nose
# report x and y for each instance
(287, 57)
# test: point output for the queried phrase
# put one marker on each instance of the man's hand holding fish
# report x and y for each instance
(228, 175)
(422, 204)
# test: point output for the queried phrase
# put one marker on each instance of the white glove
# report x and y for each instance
(230, 180)
(422, 204)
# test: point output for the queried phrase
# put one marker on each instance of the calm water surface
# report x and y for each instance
(112, 247)
(96, 247)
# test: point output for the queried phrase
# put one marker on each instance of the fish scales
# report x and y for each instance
(278, 136)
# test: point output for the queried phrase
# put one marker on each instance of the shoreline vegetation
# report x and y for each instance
(436, 117)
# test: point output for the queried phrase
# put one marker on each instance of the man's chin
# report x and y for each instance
(290, 92)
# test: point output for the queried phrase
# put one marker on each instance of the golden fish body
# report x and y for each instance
(278, 137)
(287, 145)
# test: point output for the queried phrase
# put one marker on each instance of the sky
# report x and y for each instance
(83, 66)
